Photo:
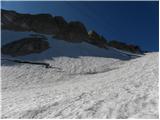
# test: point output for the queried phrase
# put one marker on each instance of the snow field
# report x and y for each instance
(131, 91)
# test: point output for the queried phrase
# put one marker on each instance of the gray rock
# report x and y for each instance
(96, 39)
(74, 32)
(25, 46)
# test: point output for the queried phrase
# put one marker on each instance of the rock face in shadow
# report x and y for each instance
(97, 40)
(25, 46)
(41, 23)
(124, 46)
(73, 31)
(45, 23)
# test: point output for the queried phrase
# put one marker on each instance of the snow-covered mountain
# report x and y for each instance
(84, 81)
(47, 77)
(59, 48)
(88, 58)
(71, 31)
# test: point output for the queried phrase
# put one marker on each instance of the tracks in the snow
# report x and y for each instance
(47, 65)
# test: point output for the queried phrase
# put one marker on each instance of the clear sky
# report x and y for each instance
(130, 22)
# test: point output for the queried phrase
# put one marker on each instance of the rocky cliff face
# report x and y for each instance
(124, 46)
(25, 46)
(44, 23)
(96, 39)
(73, 31)
(41, 23)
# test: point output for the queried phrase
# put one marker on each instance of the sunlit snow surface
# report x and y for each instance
(86, 86)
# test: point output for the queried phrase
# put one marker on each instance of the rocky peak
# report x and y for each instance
(96, 39)
(41, 23)
(73, 31)
(60, 20)
(124, 46)
(77, 31)
(44, 23)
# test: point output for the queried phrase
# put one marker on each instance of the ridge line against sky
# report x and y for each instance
(129, 22)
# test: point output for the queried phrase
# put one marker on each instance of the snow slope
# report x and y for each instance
(60, 48)
(123, 89)
(86, 82)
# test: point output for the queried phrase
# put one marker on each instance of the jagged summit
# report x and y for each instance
(73, 31)
(96, 39)
(55, 26)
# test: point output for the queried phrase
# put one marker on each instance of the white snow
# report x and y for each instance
(62, 48)
(87, 86)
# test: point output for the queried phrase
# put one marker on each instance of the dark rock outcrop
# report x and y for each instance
(25, 46)
(44, 23)
(123, 46)
(97, 40)
(57, 26)
(73, 32)
(41, 23)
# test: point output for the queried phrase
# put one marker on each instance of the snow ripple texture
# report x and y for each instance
(87, 87)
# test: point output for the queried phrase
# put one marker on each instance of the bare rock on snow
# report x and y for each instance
(25, 46)
(96, 39)
(41, 23)
(46, 24)
(124, 46)
(73, 32)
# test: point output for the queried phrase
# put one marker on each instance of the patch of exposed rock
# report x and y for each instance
(73, 32)
(124, 46)
(25, 46)
(44, 23)
(97, 40)
(40, 23)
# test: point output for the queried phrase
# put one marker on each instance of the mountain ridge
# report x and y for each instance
(73, 31)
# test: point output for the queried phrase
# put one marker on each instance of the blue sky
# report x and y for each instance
(131, 22)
